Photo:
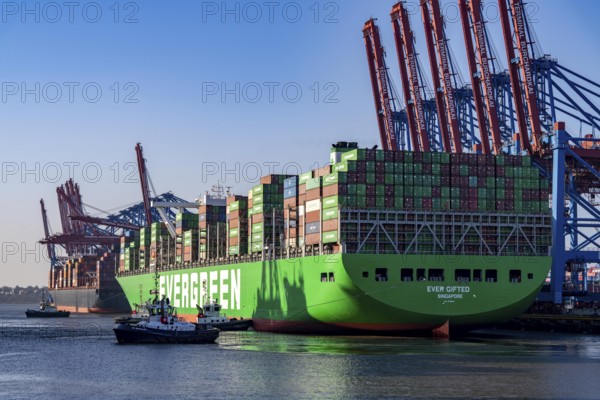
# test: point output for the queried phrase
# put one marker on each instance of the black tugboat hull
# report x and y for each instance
(128, 334)
(41, 314)
(233, 325)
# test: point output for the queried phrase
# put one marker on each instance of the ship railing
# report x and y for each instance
(441, 233)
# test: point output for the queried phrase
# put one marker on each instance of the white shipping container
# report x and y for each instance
(313, 205)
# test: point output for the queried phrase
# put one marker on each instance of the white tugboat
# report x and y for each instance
(210, 315)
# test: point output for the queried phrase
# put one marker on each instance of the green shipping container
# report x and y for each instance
(335, 178)
(330, 237)
(330, 213)
(354, 154)
(303, 178)
(331, 201)
(313, 183)
(257, 227)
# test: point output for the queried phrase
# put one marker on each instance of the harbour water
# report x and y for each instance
(78, 357)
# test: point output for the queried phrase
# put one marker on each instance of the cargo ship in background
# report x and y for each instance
(87, 284)
(375, 242)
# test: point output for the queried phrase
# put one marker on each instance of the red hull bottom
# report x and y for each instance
(85, 310)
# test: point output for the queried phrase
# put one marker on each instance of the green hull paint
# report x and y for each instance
(290, 295)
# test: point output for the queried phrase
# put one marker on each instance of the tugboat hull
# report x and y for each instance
(127, 333)
(231, 325)
(46, 314)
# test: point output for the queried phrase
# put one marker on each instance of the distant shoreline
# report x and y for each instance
(21, 295)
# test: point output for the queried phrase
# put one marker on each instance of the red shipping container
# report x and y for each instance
(312, 238)
(427, 203)
(326, 170)
(371, 201)
(330, 225)
(389, 202)
(292, 202)
(313, 216)
(331, 190)
(313, 194)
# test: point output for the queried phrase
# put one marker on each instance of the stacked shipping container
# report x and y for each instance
(212, 220)
(186, 229)
(312, 209)
(265, 215)
(237, 225)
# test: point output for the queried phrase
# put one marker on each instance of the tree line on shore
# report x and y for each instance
(19, 294)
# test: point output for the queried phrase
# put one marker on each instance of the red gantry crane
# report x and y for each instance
(513, 69)
(144, 182)
(525, 65)
(407, 60)
(439, 61)
(380, 84)
(472, 21)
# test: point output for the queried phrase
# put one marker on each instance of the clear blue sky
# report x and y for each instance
(166, 58)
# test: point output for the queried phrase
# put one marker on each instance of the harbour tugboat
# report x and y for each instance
(139, 313)
(210, 315)
(47, 309)
(158, 323)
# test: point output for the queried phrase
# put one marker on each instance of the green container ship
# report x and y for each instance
(376, 242)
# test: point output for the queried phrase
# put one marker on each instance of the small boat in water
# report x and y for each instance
(47, 309)
(139, 313)
(210, 315)
(157, 322)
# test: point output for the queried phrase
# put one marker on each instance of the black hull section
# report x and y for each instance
(127, 334)
(234, 325)
(91, 300)
(41, 314)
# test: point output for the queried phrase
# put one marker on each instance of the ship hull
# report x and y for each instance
(130, 334)
(91, 300)
(355, 293)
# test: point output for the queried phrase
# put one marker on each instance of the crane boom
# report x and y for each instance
(485, 59)
(475, 77)
(380, 85)
(50, 247)
(105, 222)
(409, 104)
(526, 67)
(144, 183)
(513, 69)
(445, 68)
(435, 75)
(404, 38)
